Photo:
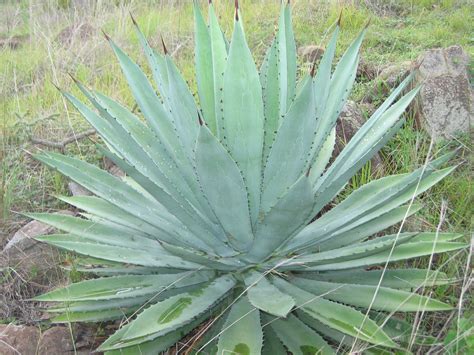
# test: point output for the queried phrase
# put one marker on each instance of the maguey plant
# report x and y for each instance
(224, 223)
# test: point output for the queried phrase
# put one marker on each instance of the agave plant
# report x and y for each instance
(213, 226)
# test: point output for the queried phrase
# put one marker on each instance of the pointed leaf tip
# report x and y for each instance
(164, 46)
(133, 19)
(200, 119)
(57, 87)
(236, 3)
(308, 172)
(368, 23)
(107, 37)
(73, 78)
(340, 18)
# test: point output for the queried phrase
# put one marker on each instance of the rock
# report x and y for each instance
(24, 237)
(56, 340)
(349, 122)
(28, 340)
(18, 339)
(392, 75)
(80, 31)
(13, 42)
(30, 258)
(387, 79)
(366, 70)
(112, 168)
(445, 102)
(77, 190)
(311, 53)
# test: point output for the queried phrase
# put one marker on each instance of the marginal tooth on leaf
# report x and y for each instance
(201, 122)
(313, 69)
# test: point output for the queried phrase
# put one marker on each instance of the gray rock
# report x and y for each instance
(56, 340)
(77, 190)
(388, 77)
(23, 239)
(28, 257)
(349, 122)
(29, 340)
(445, 102)
(18, 339)
(311, 53)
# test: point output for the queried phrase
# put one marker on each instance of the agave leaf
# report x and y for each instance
(150, 105)
(271, 97)
(219, 63)
(181, 185)
(204, 69)
(358, 154)
(242, 333)
(101, 305)
(271, 344)
(93, 316)
(145, 257)
(243, 116)
(220, 176)
(151, 347)
(283, 219)
(120, 287)
(289, 152)
(361, 296)
(355, 251)
(393, 278)
(402, 252)
(299, 338)
(266, 297)
(334, 98)
(101, 208)
(97, 232)
(182, 106)
(278, 77)
(390, 193)
(367, 226)
(322, 82)
(123, 196)
(322, 159)
(155, 60)
(337, 316)
(287, 59)
(168, 315)
(207, 342)
(208, 239)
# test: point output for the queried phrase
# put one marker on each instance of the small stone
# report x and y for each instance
(18, 339)
(112, 168)
(388, 78)
(33, 260)
(56, 340)
(77, 190)
(311, 53)
(81, 31)
(446, 99)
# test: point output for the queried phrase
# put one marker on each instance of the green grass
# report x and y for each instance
(31, 106)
